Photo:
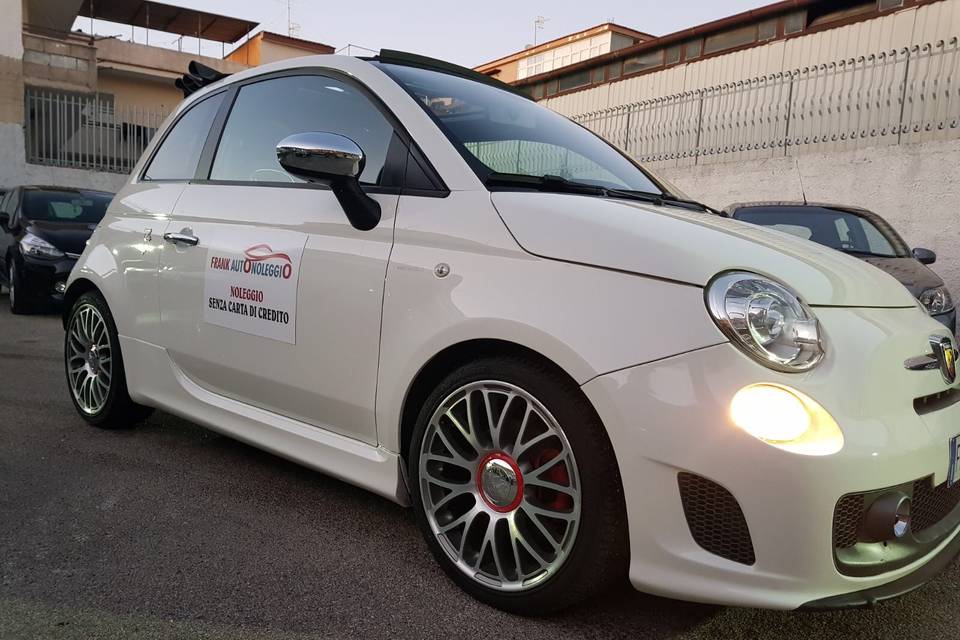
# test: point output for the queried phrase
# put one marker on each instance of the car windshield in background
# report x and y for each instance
(500, 132)
(65, 206)
(836, 228)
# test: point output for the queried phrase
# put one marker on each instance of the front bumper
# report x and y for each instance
(39, 279)
(670, 417)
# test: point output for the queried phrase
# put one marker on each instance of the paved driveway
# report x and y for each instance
(170, 531)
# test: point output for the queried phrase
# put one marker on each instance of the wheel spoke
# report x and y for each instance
(467, 435)
(526, 446)
(543, 529)
(523, 427)
(552, 486)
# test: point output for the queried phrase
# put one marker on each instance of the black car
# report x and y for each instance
(863, 234)
(42, 233)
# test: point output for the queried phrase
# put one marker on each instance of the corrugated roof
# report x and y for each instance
(169, 18)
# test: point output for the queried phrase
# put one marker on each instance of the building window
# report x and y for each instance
(767, 29)
(642, 62)
(840, 10)
(574, 80)
(890, 4)
(691, 50)
(614, 70)
(730, 39)
(795, 22)
(597, 75)
(672, 55)
(551, 87)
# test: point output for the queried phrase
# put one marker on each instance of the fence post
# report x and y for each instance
(786, 129)
(903, 95)
(626, 134)
(696, 146)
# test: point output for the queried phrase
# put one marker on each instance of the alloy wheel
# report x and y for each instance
(500, 486)
(89, 359)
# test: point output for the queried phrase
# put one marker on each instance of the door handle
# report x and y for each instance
(181, 238)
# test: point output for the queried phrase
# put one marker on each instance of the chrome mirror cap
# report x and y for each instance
(320, 156)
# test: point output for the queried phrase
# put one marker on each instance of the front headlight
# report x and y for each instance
(936, 300)
(765, 320)
(36, 246)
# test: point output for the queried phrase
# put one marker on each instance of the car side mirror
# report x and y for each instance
(924, 256)
(329, 158)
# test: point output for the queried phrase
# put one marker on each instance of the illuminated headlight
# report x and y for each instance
(787, 419)
(37, 247)
(936, 300)
(765, 320)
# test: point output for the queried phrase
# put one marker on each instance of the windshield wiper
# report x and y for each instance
(661, 199)
(543, 183)
(558, 184)
(869, 254)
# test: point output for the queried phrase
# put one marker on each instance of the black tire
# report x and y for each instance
(600, 553)
(17, 303)
(119, 411)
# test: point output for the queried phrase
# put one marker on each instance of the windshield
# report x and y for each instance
(500, 132)
(835, 228)
(65, 206)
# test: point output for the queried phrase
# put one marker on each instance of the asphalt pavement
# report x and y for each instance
(172, 531)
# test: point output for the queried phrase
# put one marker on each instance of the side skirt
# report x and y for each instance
(154, 380)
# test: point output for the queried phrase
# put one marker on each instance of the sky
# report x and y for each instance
(466, 33)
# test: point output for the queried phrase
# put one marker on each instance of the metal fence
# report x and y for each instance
(893, 97)
(84, 131)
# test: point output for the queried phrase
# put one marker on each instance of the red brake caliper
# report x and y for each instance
(557, 474)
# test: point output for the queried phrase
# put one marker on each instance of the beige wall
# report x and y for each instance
(274, 51)
(144, 93)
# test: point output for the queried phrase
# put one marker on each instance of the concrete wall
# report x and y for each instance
(14, 169)
(915, 187)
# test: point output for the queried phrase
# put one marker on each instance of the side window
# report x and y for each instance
(266, 112)
(179, 153)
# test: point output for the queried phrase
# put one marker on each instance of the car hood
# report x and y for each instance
(689, 247)
(69, 237)
(911, 273)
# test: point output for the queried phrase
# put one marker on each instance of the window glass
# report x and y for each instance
(730, 39)
(501, 132)
(836, 228)
(266, 112)
(795, 22)
(179, 153)
(596, 75)
(673, 55)
(614, 69)
(767, 29)
(692, 49)
(643, 61)
(65, 206)
(573, 80)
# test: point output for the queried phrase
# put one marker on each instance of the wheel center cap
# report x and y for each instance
(500, 482)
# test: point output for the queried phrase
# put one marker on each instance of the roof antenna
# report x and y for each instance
(803, 191)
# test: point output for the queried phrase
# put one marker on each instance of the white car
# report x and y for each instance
(405, 275)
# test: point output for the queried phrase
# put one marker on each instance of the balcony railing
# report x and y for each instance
(84, 131)
(892, 97)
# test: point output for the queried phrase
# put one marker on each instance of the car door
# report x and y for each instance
(127, 242)
(267, 294)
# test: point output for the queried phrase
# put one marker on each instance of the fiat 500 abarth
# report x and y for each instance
(405, 275)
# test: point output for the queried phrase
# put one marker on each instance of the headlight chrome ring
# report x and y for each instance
(765, 320)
